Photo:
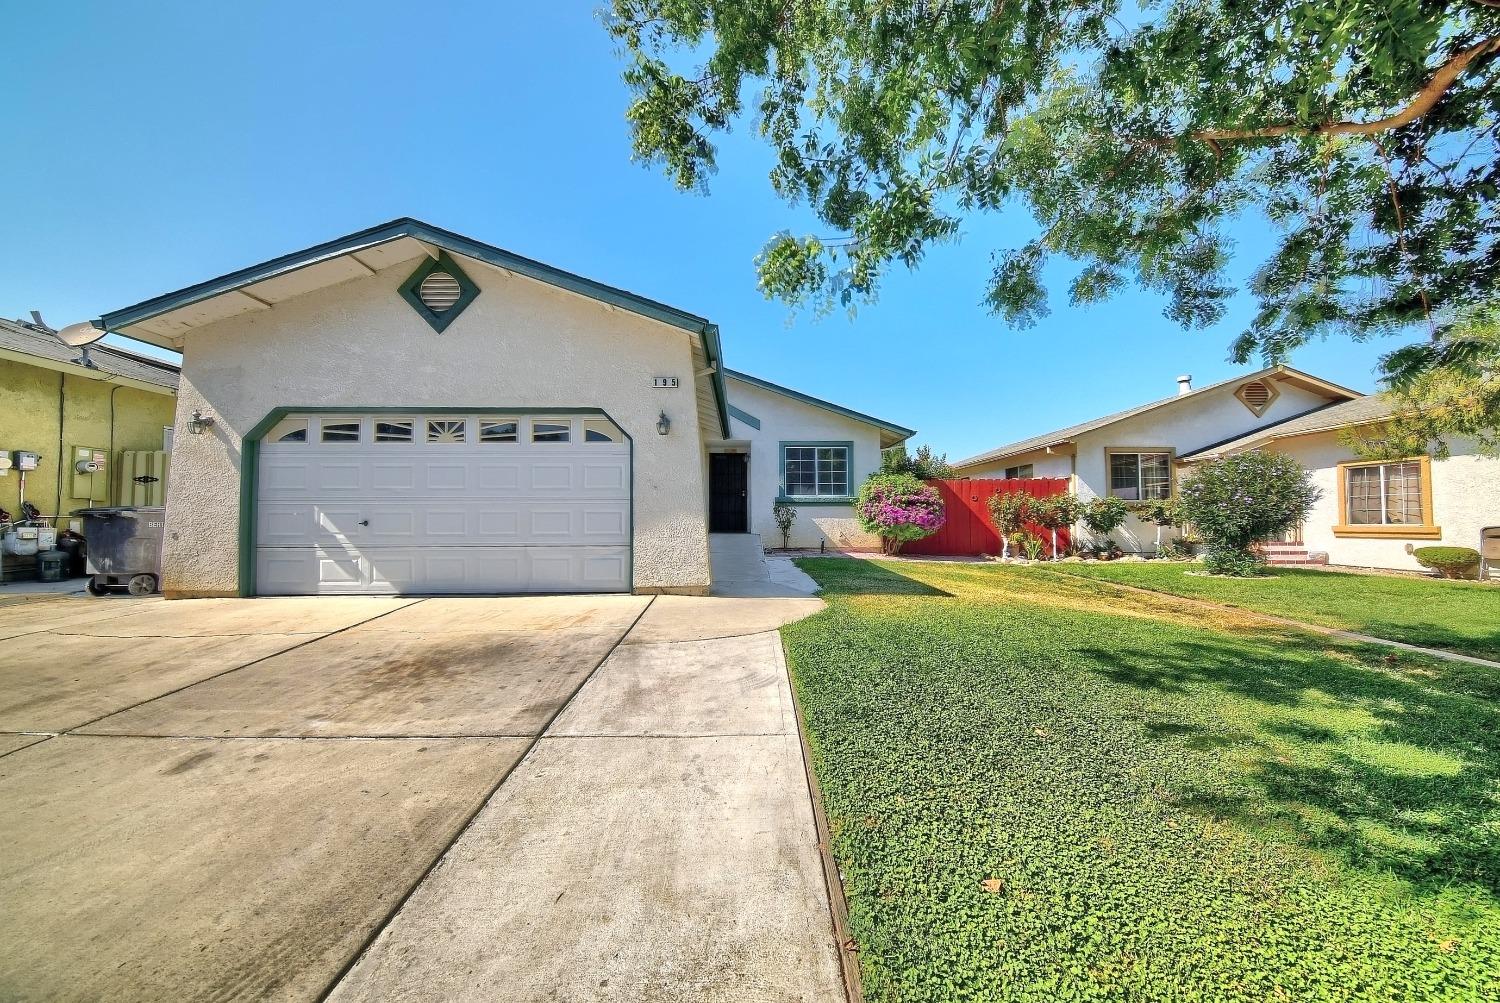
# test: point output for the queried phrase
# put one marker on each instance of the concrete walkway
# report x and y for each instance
(742, 569)
(658, 843)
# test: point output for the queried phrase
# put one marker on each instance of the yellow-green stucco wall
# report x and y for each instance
(29, 421)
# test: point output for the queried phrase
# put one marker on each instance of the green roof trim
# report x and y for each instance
(899, 430)
(744, 416)
(449, 241)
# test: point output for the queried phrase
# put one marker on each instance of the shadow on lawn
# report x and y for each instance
(860, 577)
(1390, 762)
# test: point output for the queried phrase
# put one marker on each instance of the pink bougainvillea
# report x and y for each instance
(899, 508)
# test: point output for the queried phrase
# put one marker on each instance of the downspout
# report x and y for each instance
(110, 461)
(62, 382)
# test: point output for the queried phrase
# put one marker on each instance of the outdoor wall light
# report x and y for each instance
(663, 424)
(197, 423)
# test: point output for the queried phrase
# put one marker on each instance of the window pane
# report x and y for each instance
(1403, 494)
(340, 431)
(1125, 475)
(394, 431)
(598, 430)
(1022, 473)
(1363, 492)
(497, 431)
(290, 430)
(445, 430)
(550, 431)
(1156, 475)
(801, 470)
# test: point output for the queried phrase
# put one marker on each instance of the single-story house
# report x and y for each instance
(68, 408)
(1368, 513)
(408, 410)
(1372, 513)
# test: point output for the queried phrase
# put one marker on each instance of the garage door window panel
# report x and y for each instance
(289, 430)
(598, 430)
(551, 431)
(395, 430)
(339, 431)
(446, 431)
(498, 431)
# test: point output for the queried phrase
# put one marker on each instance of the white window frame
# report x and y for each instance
(843, 490)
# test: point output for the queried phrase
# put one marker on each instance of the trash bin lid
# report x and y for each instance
(105, 510)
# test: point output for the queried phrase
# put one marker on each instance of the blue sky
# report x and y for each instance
(149, 146)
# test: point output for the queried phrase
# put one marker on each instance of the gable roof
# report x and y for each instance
(1064, 435)
(20, 339)
(163, 320)
(1360, 411)
(892, 433)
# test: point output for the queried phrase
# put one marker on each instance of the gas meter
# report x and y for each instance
(27, 461)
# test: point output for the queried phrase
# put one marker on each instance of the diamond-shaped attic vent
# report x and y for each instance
(439, 291)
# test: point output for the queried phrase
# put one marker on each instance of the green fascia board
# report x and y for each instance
(744, 416)
(467, 291)
(902, 431)
(842, 499)
(250, 466)
(449, 241)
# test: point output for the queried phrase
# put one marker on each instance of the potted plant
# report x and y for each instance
(898, 508)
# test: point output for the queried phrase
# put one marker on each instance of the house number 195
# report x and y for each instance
(664, 382)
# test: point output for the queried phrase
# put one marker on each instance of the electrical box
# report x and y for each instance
(91, 473)
(5, 463)
(27, 461)
(141, 477)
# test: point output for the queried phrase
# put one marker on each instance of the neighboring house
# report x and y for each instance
(409, 410)
(1135, 454)
(53, 405)
(1370, 512)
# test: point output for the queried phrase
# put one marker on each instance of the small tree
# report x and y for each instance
(1009, 511)
(1054, 513)
(1240, 501)
(784, 515)
(1102, 516)
(899, 508)
(1162, 512)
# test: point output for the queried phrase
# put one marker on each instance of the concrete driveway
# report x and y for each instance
(570, 798)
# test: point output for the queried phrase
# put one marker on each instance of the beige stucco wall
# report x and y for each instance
(520, 344)
(29, 421)
(786, 419)
(1465, 499)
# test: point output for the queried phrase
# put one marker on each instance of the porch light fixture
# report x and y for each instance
(197, 423)
(663, 424)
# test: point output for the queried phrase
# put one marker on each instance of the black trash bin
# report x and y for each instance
(124, 548)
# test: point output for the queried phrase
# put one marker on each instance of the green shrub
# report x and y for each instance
(898, 508)
(1009, 511)
(1242, 500)
(1450, 562)
(1031, 546)
(1053, 513)
(1175, 550)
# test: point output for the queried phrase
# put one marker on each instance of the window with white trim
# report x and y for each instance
(339, 431)
(599, 430)
(815, 471)
(551, 431)
(1384, 494)
(445, 430)
(289, 430)
(503, 430)
(1140, 476)
(394, 430)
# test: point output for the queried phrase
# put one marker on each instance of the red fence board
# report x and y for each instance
(968, 530)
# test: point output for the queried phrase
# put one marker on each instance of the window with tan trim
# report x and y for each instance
(1139, 474)
(1390, 499)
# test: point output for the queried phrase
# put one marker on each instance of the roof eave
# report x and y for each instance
(900, 432)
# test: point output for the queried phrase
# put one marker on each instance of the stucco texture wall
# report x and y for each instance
(29, 421)
(1465, 499)
(521, 344)
(786, 419)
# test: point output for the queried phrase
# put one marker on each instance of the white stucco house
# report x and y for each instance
(408, 410)
(1368, 514)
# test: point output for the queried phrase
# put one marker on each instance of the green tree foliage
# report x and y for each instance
(1362, 132)
(925, 464)
(1055, 512)
(1242, 500)
(1102, 516)
(784, 515)
(1441, 390)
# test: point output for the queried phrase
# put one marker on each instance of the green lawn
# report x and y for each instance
(1456, 616)
(1041, 788)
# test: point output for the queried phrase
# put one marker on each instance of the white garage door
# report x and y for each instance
(440, 503)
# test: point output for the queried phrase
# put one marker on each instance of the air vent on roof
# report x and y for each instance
(1257, 395)
(439, 291)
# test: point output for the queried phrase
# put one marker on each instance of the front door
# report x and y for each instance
(728, 478)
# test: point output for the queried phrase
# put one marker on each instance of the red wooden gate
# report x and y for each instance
(969, 530)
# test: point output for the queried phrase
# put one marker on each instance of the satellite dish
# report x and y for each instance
(80, 335)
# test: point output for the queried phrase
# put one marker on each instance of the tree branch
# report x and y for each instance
(1426, 99)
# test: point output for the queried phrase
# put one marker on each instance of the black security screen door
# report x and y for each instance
(728, 475)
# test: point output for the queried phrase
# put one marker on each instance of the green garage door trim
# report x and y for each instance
(250, 466)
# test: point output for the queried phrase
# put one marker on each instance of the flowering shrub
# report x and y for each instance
(899, 508)
(1239, 501)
